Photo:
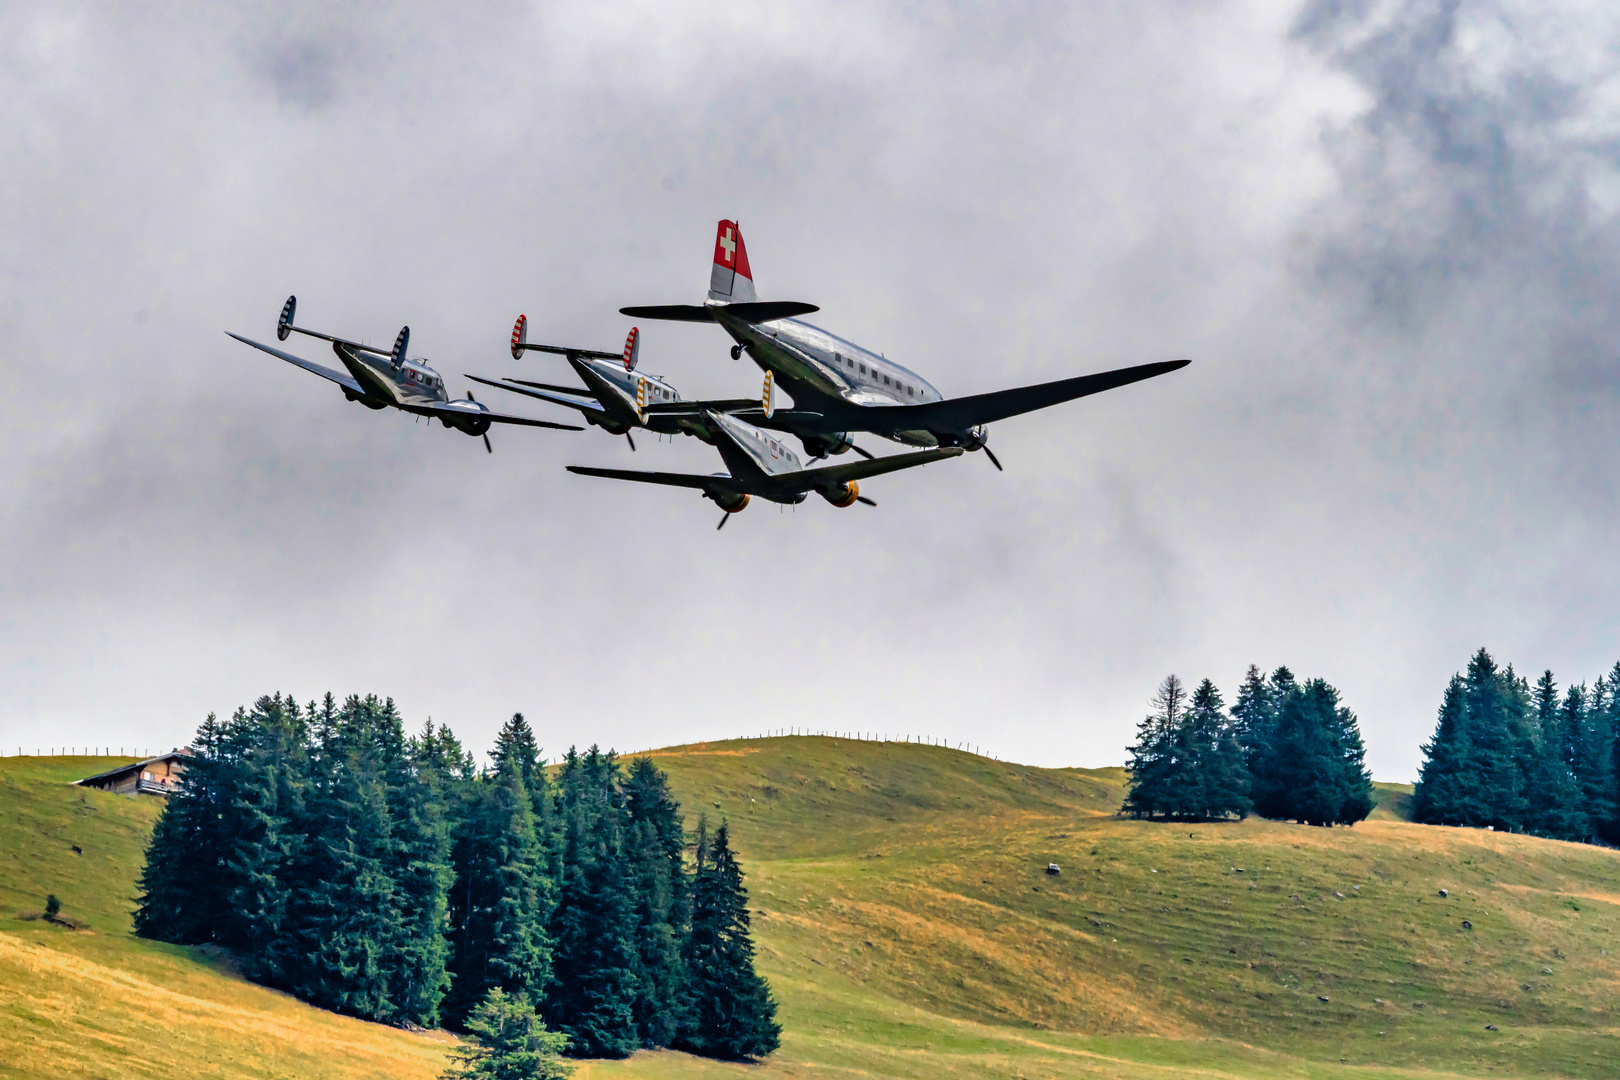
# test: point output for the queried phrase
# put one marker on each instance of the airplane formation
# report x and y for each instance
(839, 390)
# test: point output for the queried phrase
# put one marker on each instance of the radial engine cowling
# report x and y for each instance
(820, 446)
(977, 436)
(843, 495)
(469, 423)
(730, 503)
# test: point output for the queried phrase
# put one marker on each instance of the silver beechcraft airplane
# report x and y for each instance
(383, 378)
(839, 387)
(618, 398)
(761, 465)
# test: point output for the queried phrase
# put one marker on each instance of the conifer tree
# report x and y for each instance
(422, 874)
(509, 1043)
(734, 1015)
(1253, 714)
(656, 850)
(1311, 768)
(1154, 758)
(596, 972)
(1446, 791)
(498, 904)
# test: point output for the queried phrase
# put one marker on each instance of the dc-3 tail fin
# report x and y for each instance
(731, 281)
(401, 343)
(520, 336)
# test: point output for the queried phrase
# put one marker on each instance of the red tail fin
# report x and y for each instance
(632, 349)
(520, 336)
(731, 280)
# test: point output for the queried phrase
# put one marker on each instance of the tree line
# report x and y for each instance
(1285, 749)
(1522, 758)
(387, 877)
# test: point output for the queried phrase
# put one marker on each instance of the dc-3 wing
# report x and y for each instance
(960, 414)
(557, 395)
(717, 482)
(342, 378)
(860, 470)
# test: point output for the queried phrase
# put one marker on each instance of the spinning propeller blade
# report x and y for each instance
(723, 519)
(861, 452)
(864, 499)
(992, 458)
(631, 441)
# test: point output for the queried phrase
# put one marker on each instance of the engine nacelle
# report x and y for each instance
(843, 495)
(731, 504)
(977, 436)
(611, 427)
(469, 423)
(820, 446)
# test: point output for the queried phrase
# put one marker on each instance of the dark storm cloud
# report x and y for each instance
(1380, 233)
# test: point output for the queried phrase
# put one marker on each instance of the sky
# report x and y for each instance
(1384, 233)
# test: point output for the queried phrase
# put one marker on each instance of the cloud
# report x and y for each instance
(1381, 233)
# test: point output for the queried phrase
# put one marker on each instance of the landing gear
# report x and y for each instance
(736, 352)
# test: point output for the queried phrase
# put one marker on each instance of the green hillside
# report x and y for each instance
(907, 923)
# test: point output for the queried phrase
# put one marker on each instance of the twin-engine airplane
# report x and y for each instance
(618, 398)
(394, 380)
(839, 387)
(760, 465)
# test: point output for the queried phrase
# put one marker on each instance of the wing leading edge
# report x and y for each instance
(343, 379)
(960, 414)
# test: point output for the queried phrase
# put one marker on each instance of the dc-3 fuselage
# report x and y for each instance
(839, 388)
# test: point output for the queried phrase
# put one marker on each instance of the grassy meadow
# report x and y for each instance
(907, 924)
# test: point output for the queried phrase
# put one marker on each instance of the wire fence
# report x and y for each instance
(81, 751)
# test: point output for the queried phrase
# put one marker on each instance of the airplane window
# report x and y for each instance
(863, 369)
(885, 380)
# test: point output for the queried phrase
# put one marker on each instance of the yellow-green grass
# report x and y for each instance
(909, 929)
(98, 1002)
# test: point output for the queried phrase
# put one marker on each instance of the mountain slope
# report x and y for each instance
(909, 928)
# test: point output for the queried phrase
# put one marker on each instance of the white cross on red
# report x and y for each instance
(729, 245)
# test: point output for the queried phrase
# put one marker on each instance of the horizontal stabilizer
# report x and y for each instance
(757, 311)
(563, 350)
(686, 480)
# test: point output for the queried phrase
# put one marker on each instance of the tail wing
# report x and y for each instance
(731, 281)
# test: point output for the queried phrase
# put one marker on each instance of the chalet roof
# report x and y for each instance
(133, 766)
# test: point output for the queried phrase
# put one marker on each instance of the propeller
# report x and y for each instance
(992, 458)
(631, 441)
(864, 499)
(487, 447)
(861, 452)
(725, 517)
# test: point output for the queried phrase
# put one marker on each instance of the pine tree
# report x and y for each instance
(181, 899)
(1311, 769)
(498, 903)
(595, 978)
(734, 1013)
(422, 874)
(1154, 761)
(1217, 757)
(344, 921)
(656, 850)
(509, 1043)
(1253, 714)
(1446, 789)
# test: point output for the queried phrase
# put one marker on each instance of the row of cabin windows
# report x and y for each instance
(911, 391)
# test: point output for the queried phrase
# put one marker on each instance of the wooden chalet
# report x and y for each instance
(154, 776)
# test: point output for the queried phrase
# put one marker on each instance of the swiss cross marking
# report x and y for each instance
(730, 246)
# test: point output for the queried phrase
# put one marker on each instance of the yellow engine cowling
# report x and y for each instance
(732, 505)
(845, 496)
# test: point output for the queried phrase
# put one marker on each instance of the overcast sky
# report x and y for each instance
(1385, 234)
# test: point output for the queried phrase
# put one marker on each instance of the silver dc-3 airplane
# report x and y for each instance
(759, 464)
(619, 398)
(387, 378)
(839, 387)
